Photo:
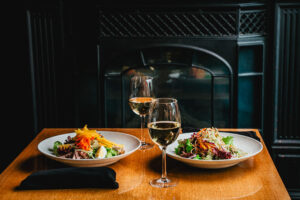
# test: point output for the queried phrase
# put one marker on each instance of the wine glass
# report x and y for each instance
(141, 96)
(164, 126)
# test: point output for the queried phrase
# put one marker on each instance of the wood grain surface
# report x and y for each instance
(256, 178)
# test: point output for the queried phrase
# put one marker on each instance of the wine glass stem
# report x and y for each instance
(142, 129)
(164, 165)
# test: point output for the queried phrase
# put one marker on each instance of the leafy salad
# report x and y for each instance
(87, 144)
(208, 144)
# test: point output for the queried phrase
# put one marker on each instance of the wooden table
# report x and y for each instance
(256, 178)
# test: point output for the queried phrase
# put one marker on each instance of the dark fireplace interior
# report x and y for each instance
(200, 80)
(230, 64)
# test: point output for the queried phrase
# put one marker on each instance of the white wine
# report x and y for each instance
(164, 132)
(140, 105)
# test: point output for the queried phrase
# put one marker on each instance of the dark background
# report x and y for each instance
(47, 87)
(17, 124)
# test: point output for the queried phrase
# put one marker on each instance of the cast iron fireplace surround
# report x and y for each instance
(228, 43)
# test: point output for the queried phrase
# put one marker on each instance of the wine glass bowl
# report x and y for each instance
(140, 105)
(164, 124)
(164, 133)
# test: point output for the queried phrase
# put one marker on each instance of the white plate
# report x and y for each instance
(247, 144)
(130, 142)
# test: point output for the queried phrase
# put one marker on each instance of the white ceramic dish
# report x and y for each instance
(130, 142)
(247, 144)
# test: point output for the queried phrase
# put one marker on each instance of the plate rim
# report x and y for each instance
(90, 160)
(222, 160)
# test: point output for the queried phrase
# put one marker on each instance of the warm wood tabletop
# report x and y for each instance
(256, 178)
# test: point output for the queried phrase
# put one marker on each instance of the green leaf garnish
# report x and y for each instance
(197, 157)
(228, 140)
(55, 147)
(111, 152)
(189, 146)
(178, 148)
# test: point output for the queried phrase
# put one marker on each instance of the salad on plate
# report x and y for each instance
(208, 144)
(87, 144)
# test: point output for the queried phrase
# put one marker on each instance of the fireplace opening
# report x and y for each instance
(199, 79)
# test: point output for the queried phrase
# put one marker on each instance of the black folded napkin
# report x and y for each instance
(68, 178)
(251, 134)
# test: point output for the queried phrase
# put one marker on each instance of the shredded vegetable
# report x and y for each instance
(87, 144)
(208, 144)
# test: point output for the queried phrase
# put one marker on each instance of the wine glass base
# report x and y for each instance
(146, 146)
(163, 183)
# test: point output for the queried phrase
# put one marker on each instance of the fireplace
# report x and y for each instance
(210, 57)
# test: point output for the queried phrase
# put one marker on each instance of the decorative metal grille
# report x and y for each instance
(203, 23)
(253, 22)
(167, 24)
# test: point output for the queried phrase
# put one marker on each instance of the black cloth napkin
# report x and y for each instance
(72, 177)
(251, 134)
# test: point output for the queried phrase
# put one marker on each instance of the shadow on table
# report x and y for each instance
(231, 178)
(179, 169)
(39, 162)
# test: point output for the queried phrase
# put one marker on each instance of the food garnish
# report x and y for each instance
(87, 144)
(208, 144)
